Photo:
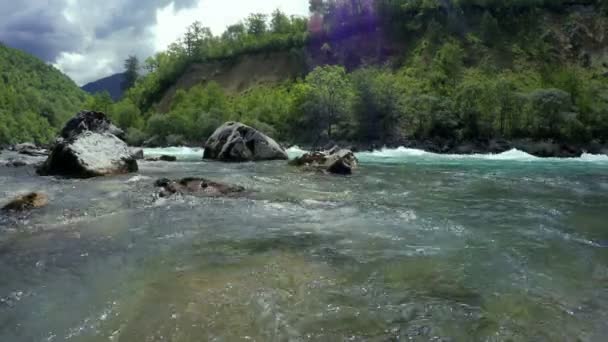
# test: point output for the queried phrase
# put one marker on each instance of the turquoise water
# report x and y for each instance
(414, 246)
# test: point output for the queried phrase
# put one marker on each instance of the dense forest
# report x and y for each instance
(35, 98)
(455, 70)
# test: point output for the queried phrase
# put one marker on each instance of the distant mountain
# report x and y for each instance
(111, 84)
(35, 98)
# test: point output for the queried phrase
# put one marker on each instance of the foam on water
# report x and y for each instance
(181, 152)
(295, 151)
(402, 154)
(395, 155)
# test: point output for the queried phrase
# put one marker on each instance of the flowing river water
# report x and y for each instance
(413, 247)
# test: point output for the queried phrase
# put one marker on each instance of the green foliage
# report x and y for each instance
(35, 99)
(99, 102)
(548, 109)
(198, 45)
(379, 102)
(473, 69)
(328, 99)
(489, 29)
(135, 136)
(256, 24)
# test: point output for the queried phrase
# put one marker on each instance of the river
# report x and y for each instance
(414, 246)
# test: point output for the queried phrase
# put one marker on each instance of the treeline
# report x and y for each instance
(471, 70)
(35, 98)
(377, 104)
(257, 33)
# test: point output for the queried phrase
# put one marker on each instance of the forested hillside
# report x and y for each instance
(35, 98)
(384, 71)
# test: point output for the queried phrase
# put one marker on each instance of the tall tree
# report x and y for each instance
(131, 72)
(256, 24)
(330, 96)
(279, 22)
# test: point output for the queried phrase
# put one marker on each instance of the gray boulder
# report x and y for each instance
(337, 161)
(89, 154)
(137, 153)
(236, 142)
(87, 121)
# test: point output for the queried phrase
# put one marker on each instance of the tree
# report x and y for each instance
(549, 109)
(279, 22)
(234, 32)
(256, 24)
(329, 96)
(196, 38)
(377, 105)
(131, 72)
(450, 62)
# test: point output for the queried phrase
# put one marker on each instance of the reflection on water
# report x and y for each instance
(414, 248)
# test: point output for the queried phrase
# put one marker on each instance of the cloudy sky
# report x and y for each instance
(89, 39)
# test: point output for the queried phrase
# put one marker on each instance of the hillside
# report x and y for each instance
(440, 73)
(35, 98)
(112, 84)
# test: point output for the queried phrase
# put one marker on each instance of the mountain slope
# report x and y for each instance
(35, 98)
(111, 84)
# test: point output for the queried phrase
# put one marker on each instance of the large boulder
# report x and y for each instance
(196, 186)
(87, 121)
(337, 161)
(34, 200)
(236, 142)
(89, 154)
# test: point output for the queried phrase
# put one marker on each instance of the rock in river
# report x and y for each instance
(196, 186)
(338, 161)
(164, 158)
(89, 154)
(137, 153)
(86, 121)
(34, 200)
(236, 142)
(30, 149)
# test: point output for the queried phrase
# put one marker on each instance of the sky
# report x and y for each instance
(90, 39)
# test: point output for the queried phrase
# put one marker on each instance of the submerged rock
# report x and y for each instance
(16, 163)
(34, 200)
(88, 155)
(337, 161)
(236, 142)
(30, 149)
(196, 186)
(164, 158)
(86, 121)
